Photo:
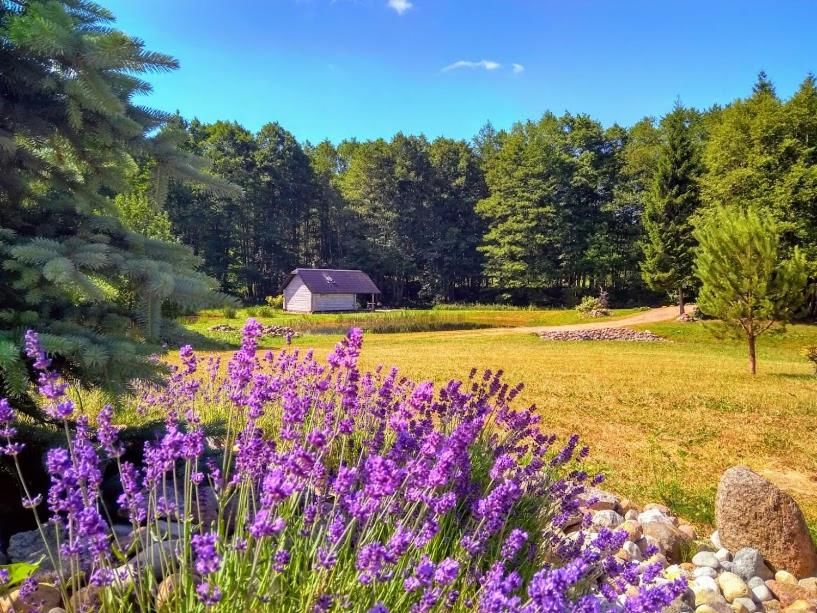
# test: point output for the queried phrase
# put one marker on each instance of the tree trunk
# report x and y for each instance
(752, 356)
(681, 300)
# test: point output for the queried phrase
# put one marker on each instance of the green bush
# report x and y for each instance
(276, 302)
(590, 306)
(229, 312)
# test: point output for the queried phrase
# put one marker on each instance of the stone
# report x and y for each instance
(761, 593)
(670, 540)
(633, 530)
(632, 551)
(607, 519)
(687, 530)
(706, 590)
(631, 514)
(706, 608)
(28, 546)
(739, 607)
(746, 604)
(771, 606)
(750, 511)
(723, 555)
(602, 501)
(716, 606)
(732, 586)
(784, 576)
(625, 505)
(747, 562)
(166, 591)
(716, 540)
(800, 605)
(704, 571)
(658, 507)
(755, 581)
(706, 558)
(154, 557)
(787, 593)
(45, 597)
(652, 515)
(85, 599)
(673, 572)
(809, 583)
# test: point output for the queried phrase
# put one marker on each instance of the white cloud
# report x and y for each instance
(401, 6)
(517, 68)
(483, 64)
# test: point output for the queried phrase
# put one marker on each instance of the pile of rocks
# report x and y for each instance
(602, 334)
(266, 330)
(761, 558)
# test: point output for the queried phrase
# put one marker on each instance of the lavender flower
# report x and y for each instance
(325, 466)
(205, 553)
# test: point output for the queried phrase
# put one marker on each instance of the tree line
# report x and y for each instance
(542, 212)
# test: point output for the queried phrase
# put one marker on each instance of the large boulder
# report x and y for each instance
(752, 512)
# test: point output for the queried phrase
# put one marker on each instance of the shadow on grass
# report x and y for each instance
(795, 377)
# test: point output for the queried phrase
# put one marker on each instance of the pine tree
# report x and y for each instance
(70, 139)
(668, 233)
(745, 281)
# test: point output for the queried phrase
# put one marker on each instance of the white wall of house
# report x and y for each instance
(297, 296)
(334, 302)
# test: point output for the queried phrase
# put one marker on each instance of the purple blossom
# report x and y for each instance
(208, 594)
(447, 571)
(205, 553)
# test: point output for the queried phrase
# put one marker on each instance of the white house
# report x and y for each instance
(310, 290)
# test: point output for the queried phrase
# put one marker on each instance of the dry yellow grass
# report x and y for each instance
(663, 419)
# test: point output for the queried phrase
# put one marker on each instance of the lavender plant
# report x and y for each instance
(332, 489)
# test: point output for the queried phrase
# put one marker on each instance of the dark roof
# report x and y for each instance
(330, 281)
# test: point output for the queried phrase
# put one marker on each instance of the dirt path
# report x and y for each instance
(645, 317)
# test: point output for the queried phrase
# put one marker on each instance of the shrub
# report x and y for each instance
(276, 302)
(266, 311)
(332, 489)
(591, 306)
(229, 312)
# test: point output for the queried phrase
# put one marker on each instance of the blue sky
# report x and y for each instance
(370, 68)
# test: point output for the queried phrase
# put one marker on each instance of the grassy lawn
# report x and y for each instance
(663, 419)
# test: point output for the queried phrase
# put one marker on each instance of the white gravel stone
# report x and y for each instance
(653, 515)
(706, 590)
(755, 581)
(747, 603)
(704, 571)
(607, 519)
(761, 593)
(723, 555)
(632, 550)
(706, 558)
(716, 541)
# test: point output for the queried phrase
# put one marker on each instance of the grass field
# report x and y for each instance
(394, 321)
(663, 419)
